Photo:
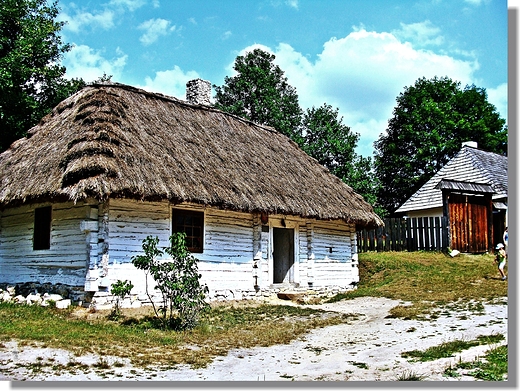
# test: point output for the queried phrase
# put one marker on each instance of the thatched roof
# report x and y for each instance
(112, 140)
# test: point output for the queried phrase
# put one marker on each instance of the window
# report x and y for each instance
(42, 228)
(192, 224)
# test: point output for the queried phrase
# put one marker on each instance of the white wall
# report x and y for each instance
(433, 212)
(105, 237)
(65, 262)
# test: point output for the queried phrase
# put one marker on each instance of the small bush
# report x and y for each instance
(120, 289)
(178, 281)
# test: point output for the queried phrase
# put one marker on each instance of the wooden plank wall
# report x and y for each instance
(65, 262)
(81, 234)
(332, 248)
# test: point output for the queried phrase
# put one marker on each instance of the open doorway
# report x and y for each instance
(283, 255)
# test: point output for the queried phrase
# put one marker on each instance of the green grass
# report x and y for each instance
(225, 327)
(447, 349)
(493, 366)
(430, 282)
(426, 279)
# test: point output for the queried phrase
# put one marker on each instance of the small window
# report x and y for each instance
(42, 228)
(191, 223)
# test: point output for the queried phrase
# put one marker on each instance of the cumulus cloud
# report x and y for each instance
(171, 82)
(153, 29)
(86, 63)
(363, 73)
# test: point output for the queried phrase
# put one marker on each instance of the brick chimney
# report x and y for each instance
(198, 92)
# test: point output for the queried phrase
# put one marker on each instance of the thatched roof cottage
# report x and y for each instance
(113, 164)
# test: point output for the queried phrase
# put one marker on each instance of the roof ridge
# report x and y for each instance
(173, 99)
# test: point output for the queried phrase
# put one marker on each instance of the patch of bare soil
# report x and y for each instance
(367, 348)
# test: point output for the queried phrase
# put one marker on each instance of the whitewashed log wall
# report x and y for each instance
(92, 245)
(66, 260)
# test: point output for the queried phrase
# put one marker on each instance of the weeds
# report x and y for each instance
(410, 376)
(447, 349)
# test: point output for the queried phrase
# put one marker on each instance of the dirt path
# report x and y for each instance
(366, 349)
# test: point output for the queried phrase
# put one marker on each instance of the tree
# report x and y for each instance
(260, 93)
(333, 144)
(430, 122)
(178, 280)
(31, 78)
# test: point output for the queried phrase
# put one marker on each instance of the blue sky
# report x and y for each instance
(356, 55)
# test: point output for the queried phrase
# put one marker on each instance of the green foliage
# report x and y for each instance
(328, 140)
(333, 144)
(260, 93)
(120, 289)
(430, 122)
(178, 280)
(31, 77)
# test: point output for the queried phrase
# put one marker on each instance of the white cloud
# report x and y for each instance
(132, 5)
(420, 34)
(362, 74)
(154, 28)
(171, 82)
(498, 97)
(103, 20)
(226, 35)
(292, 3)
(89, 64)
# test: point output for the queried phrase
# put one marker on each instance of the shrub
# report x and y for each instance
(178, 280)
(119, 289)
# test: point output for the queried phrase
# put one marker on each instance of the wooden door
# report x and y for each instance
(283, 255)
(469, 225)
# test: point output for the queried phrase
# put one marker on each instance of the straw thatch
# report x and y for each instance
(112, 140)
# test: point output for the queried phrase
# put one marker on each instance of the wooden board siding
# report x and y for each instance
(339, 267)
(103, 238)
(130, 222)
(66, 260)
(226, 261)
(469, 223)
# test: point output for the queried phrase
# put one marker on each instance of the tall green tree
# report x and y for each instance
(260, 92)
(332, 143)
(430, 122)
(31, 77)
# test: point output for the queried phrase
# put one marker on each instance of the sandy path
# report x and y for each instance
(366, 349)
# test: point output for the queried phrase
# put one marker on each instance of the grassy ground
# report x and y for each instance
(425, 279)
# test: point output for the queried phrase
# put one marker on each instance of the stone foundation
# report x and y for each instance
(62, 296)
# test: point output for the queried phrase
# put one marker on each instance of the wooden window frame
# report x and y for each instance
(42, 228)
(190, 222)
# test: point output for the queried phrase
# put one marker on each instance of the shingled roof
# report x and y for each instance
(473, 167)
(113, 140)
